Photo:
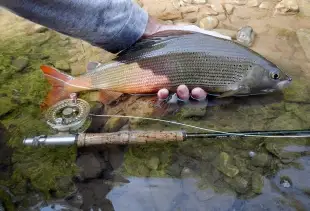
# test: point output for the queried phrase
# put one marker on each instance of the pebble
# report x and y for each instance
(252, 154)
(209, 22)
(287, 7)
(62, 65)
(265, 5)
(20, 63)
(218, 8)
(221, 17)
(171, 15)
(199, 1)
(237, 2)
(205, 11)
(39, 29)
(190, 17)
(245, 35)
(285, 183)
(189, 9)
(253, 3)
(229, 8)
(304, 40)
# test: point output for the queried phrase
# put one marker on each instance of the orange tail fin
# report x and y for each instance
(59, 81)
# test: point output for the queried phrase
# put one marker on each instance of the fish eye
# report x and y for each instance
(274, 76)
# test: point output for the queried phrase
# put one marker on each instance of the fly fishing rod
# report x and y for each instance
(71, 117)
(146, 137)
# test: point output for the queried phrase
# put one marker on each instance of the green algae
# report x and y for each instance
(21, 95)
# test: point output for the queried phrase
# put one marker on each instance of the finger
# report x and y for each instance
(198, 94)
(163, 94)
(183, 92)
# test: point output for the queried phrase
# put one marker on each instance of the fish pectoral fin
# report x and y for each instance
(107, 97)
(92, 66)
(228, 93)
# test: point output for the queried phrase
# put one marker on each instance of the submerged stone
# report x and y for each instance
(153, 163)
(20, 63)
(257, 183)
(222, 163)
(260, 160)
(62, 65)
(238, 183)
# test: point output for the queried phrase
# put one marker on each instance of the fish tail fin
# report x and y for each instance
(59, 82)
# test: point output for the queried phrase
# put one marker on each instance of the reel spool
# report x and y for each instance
(70, 115)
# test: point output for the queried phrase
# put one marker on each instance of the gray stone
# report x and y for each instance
(20, 63)
(153, 163)
(90, 166)
(257, 183)
(62, 65)
(116, 157)
(260, 160)
(246, 35)
(304, 40)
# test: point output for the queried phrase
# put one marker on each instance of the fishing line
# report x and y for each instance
(200, 128)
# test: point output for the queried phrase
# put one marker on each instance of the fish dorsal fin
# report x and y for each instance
(157, 40)
(91, 66)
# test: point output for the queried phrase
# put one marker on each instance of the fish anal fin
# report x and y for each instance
(107, 97)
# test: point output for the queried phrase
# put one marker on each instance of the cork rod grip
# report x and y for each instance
(129, 137)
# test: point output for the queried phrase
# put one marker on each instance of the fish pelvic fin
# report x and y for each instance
(62, 85)
(107, 96)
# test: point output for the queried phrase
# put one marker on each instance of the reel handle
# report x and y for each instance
(129, 137)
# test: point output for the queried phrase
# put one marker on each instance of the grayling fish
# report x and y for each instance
(219, 66)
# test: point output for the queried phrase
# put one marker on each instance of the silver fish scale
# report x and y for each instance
(197, 69)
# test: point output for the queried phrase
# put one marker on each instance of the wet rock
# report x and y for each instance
(238, 183)
(143, 171)
(245, 35)
(116, 157)
(223, 164)
(260, 160)
(153, 163)
(63, 43)
(91, 165)
(39, 29)
(265, 5)
(199, 1)
(189, 9)
(253, 3)
(75, 200)
(190, 17)
(20, 63)
(287, 7)
(304, 7)
(164, 157)
(187, 173)
(65, 185)
(227, 32)
(285, 182)
(277, 150)
(115, 124)
(174, 170)
(304, 40)
(257, 183)
(62, 65)
(218, 7)
(236, 2)
(221, 17)
(172, 15)
(209, 22)
(229, 8)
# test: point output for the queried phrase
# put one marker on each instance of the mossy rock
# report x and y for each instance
(257, 183)
(224, 165)
(239, 183)
(153, 163)
(260, 160)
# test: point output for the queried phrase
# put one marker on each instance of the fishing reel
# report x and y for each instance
(69, 115)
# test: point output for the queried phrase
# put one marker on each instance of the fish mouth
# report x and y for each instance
(284, 84)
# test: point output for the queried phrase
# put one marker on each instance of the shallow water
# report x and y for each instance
(199, 174)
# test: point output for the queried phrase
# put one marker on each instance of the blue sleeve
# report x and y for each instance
(110, 24)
